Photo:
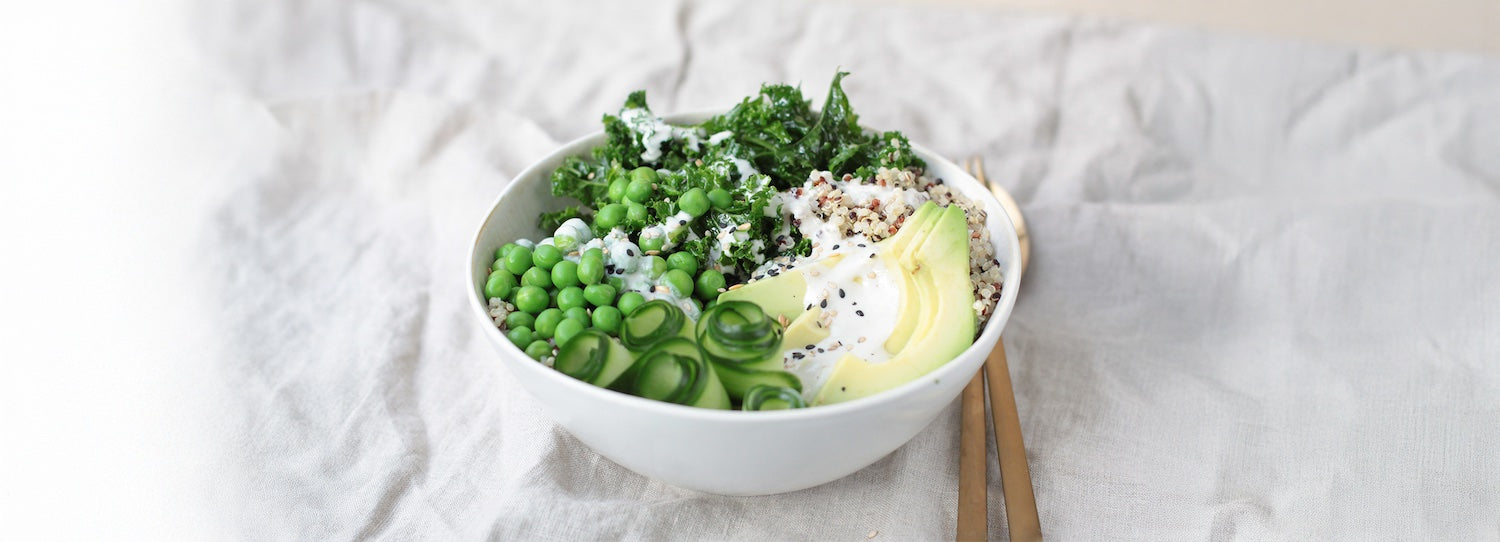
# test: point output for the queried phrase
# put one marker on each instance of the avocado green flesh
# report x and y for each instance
(935, 260)
(780, 295)
(907, 319)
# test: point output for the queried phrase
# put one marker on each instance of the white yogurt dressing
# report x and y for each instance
(720, 137)
(654, 132)
(668, 230)
(859, 298)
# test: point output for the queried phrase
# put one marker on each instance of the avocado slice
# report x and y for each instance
(780, 295)
(804, 330)
(936, 261)
(916, 226)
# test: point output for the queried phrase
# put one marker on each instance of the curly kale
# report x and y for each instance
(769, 141)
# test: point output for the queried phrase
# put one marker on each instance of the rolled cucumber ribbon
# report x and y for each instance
(744, 344)
(674, 371)
(594, 357)
(764, 397)
(651, 323)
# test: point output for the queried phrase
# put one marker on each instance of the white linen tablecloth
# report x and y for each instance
(1263, 301)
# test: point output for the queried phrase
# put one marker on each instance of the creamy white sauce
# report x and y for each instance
(859, 298)
(668, 230)
(654, 132)
(719, 137)
(744, 167)
(571, 234)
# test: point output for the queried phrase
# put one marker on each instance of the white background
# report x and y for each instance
(103, 121)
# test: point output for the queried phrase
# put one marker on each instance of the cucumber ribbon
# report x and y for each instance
(763, 397)
(744, 345)
(594, 357)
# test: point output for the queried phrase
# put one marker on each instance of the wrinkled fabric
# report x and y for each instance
(1262, 302)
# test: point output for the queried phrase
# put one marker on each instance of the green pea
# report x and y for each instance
(617, 282)
(566, 330)
(639, 191)
(609, 216)
(655, 266)
(579, 314)
(564, 274)
(649, 244)
(643, 174)
(546, 322)
(520, 319)
(570, 297)
(709, 283)
(538, 349)
(503, 250)
(600, 295)
(720, 198)
(679, 281)
(518, 261)
(591, 266)
(616, 191)
(711, 303)
(519, 336)
(546, 256)
(531, 299)
(499, 284)
(635, 213)
(693, 202)
(537, 276)
(608, 318)
(628, 302)
(683, 261)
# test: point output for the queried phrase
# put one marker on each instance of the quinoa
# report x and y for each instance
(845, 208)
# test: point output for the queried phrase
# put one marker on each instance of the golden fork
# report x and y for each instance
(1015, 476)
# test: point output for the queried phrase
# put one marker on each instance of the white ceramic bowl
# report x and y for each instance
(729, 452)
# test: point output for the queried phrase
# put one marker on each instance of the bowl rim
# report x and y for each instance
(990, 334)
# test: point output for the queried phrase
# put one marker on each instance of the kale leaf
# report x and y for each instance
(768, 142)
(550, 221)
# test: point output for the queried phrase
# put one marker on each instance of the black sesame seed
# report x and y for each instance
(872, 256)
(823, 304)
(809, 307)
(820, 350)
(843, 388)
(809, 347)
(681, 222)
(859, 312)
(796, 355)
(630, 252)
(835, 247)
(841, 293)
